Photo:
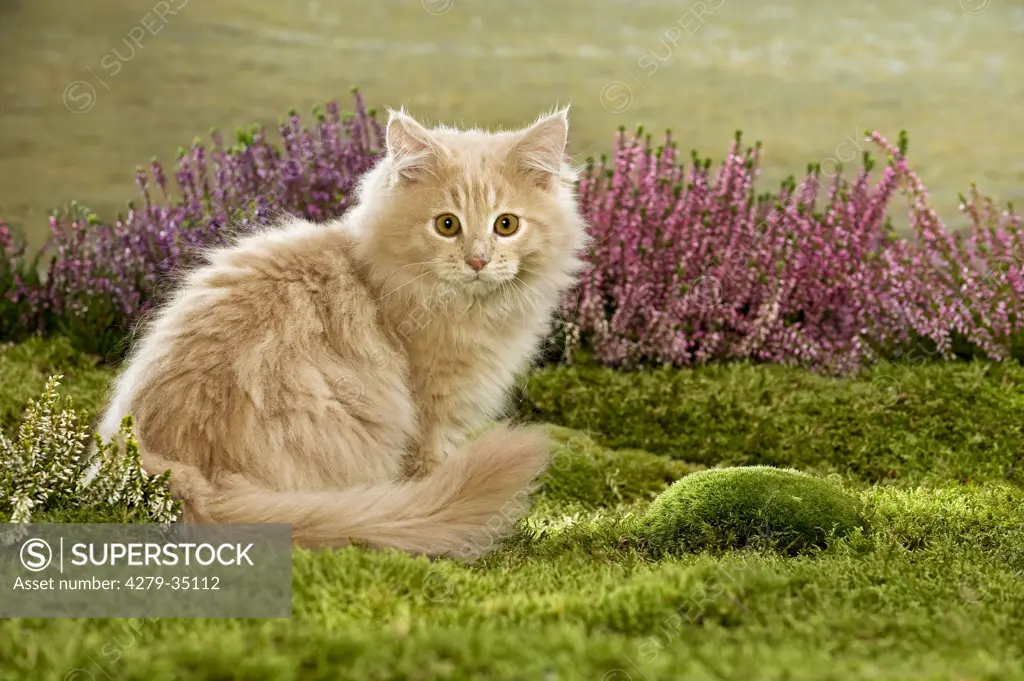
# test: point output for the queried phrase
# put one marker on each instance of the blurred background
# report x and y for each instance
(90, 90)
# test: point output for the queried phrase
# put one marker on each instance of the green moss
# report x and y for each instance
(25, 367)
(756, 505)
(975, 518)
(587, 475)
(932, 593)
(88, 514)
(921, 424)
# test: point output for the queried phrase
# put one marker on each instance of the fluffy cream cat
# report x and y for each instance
(331, 376)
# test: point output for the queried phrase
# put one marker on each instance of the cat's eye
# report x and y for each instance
(506, 225)
(447, 225)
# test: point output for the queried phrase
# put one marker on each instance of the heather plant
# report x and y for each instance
(690, 266)
(46, 466)
(20, 286)
(103, 276)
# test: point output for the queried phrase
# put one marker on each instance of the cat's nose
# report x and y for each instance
(477, 263)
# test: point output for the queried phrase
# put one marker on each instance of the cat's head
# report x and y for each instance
(478, 212)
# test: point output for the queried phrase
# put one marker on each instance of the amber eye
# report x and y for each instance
(447, 224)
(506, 225)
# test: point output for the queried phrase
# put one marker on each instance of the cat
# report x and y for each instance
(342, 377)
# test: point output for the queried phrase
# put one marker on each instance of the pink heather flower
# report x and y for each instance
(690, 266)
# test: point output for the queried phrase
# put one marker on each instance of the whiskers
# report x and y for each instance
(536, 294)
(416, 278)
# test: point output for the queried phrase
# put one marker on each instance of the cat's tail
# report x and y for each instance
(461, 509)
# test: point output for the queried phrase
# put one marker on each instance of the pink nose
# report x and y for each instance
(477, 263)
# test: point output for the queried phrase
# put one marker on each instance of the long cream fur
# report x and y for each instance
(330, 376)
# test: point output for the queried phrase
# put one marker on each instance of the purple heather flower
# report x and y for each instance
(103, 276)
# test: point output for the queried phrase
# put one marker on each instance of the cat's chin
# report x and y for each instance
(480, 288)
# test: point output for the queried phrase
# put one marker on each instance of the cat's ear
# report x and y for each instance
(540, 150)
(409, 146)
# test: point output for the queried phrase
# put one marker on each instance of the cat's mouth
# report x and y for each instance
(480, 284)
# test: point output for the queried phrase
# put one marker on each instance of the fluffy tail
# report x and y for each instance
(461, 509)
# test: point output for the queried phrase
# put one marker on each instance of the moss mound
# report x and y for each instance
(749, 506)
(586, 475)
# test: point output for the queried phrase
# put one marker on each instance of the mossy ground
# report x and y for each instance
(933, 591)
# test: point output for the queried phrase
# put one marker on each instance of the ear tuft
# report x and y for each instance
(540, 151)
(409, 145)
